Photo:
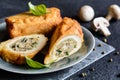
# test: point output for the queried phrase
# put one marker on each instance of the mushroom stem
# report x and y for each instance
(108, 17)
(101, 24)
(105, 31)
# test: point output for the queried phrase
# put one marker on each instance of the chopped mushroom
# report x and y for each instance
(100, 24)
(114, 12)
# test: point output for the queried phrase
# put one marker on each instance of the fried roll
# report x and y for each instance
(66, 40)
(15, 50)
(26, 23)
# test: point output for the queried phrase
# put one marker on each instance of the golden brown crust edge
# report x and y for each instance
(16, 57)
(26, 23)
(66, 27)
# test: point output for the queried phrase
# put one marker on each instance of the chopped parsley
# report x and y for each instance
(66, 53)
(59, 51)
(74, 46)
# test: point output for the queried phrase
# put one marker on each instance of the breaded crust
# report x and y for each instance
(26, 23)
(67, 27)
(18, 57)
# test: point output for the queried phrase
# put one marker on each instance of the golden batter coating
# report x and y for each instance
(66, 40)
(14, 50)
(26, 23)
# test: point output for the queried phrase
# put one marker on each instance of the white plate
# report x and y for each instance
(65, 63)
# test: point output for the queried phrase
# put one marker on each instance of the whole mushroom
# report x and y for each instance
(86, 13)
(114, 12)
(100, 24)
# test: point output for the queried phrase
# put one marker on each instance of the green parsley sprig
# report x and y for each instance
(34, 64)
(37, 10)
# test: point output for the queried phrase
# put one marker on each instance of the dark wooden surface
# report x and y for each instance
(104, 70)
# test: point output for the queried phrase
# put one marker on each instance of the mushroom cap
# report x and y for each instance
(98, 22)
(114, 10)
(86, 13)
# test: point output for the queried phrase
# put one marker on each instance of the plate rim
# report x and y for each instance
(57, 69)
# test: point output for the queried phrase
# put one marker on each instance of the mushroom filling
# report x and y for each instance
(25, 44)
(65, 47)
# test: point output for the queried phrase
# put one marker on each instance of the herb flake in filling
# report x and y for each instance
(66, 53)
(59, 51)
(64, 48)
(25, 44)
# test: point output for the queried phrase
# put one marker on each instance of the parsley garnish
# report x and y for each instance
(37, 10)
(59, 51)
(34, 64)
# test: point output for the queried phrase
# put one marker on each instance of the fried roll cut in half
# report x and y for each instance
(15, 50)
(66, 40)
(26, 23)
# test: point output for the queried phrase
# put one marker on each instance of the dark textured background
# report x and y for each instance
(104, 70)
